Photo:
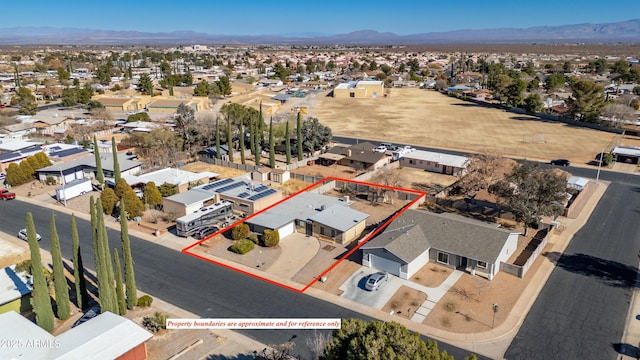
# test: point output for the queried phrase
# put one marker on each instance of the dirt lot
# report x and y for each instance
(405, 301)
(224, 172)
(420, 117)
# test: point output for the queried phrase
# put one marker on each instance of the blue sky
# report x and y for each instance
(245, 17)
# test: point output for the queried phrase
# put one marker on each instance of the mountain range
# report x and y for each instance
(624, 31)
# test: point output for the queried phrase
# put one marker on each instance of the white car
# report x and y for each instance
(380, 149)
(22, 234)
(139, 193)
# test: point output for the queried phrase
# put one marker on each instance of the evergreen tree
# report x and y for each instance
(40, 299)
(59, 279)
(229, 136)
(99, 172)
(125, 244)
(257, 141)
(299, 136)
(252, 134)
(82, 296)
(151, 194)
(106, 294)
(116, 164)
(218, 156)
(122, 304)
(241, 142)
(272, 155)
(288, 143)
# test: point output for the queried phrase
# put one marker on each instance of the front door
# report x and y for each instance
(463, 262)
(309, 229)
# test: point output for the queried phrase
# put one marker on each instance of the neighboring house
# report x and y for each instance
(210, 152)
(417, 237)
(628, 155)
(435, 162)
(19, 130)
(323, 216)
(360, 157)
(247, 196)
(99, 338)
(113, 103)
(359, 89)
(170, 105)
(14, 151)
(15, 290)
(64, 152)
(183, 180)
(86, 167)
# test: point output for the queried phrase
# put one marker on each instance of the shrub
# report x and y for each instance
(270, 238)
(155, 323)
(242, 246)
(145, 301)
(50, 180)
(241, 231)
(254, 238)
(607, 159)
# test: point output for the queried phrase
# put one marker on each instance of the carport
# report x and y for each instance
(627, 155)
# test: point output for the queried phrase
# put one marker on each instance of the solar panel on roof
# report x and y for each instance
(262, 194)
(243, 195)
(229, 187)
(261, 188)
(217, 184)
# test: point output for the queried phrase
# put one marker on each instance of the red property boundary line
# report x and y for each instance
(187, 249)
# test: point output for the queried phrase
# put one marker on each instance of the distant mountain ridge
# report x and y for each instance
(624, 31)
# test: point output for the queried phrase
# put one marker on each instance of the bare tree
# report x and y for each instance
(618, 114)
(391, 180)
(483, 171)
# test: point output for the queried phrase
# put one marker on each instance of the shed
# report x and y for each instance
(577, 183)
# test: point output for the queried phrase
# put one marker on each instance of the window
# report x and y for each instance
(352, 94)
(443, 258)
(482, 264)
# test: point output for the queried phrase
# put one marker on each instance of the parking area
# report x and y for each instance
(354, 289)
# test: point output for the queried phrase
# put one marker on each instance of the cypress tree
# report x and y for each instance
(99, 172)
(272, 154)
(242, 143)
(59, 279)
(122, 304)
(116, 165)
(125, 244)
(299, 136)
(218, 156)
(107, 264)
(258, 139)
(40, 299)
(229, 135)
(252, 143)
(82, 296)
(288, 144)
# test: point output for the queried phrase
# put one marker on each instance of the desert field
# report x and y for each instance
(428, 118)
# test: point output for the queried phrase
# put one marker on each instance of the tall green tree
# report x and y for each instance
(122, 304)
(272, 155)
(40, 299)
(59, 279)
(27, 101)
(82, 296)
(314, 134)
(299, 136)
(241, 139)
(151, 194)
(257, 141)
(229, 137)
(125, 244)
(288, 143)
(185, 125)
(96, 153)
(218, 155)
(116, 162)
(105, 253)
(374, 340)
(146, 84)
(587, 100)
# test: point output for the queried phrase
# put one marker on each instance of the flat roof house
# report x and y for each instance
(435, 162)
(417, 237)
(86, 167)
(325, 217)
(359, 89)
(15, 290)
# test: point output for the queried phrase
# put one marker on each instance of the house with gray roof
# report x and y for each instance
(85, 167)
(323, 216)
(417, 237)
(435, 162)
(359, 156)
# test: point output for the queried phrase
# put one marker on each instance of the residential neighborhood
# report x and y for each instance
(442, 188)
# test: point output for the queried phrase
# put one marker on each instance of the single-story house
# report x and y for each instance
(86, 167)
(247, 196)
(359, 89)
(360, 157)
(326, 217)
(15, 290)
(629, 155)
(417, 237)
(210, 152)
(99, 338)
(170, 105)
(120, 103)
(182, 179)
(435, 162)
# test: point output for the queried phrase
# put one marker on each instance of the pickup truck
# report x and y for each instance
(7, 195)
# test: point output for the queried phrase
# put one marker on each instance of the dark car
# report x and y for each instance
(204, 232)
(560, 162)
(88, 315)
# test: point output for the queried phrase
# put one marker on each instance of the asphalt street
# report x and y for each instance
(197, 286)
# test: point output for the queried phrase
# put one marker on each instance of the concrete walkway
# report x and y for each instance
(434, 295)
(297, 250)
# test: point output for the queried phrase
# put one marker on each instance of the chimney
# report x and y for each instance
(216, 198)
(349, 153)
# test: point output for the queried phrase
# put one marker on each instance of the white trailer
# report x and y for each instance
(73, 188)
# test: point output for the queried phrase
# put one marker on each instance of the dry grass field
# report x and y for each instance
(423, 117)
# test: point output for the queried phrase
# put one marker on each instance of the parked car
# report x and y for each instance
(560, 162)
(88, 315)
(22, 234)
(389, 146)
(204, 232)
(380, 149)
(374, 281)
(7, 195)
(139, 193)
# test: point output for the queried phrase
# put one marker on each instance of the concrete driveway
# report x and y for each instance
(353, 289)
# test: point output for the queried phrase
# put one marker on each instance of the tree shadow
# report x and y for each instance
(627, 349)
(233, 357)
(610, 272)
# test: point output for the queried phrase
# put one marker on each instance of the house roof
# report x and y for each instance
(191, 196)
(303, 206)
(13, 285)
(440, 158)
(416, 231)
(362, 152)
(339, 217)
(90, 161)
(626, 151)
(16, 145)
(16, 326)
(170, 176)
(114, 101)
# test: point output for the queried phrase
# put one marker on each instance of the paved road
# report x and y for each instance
(194, 285)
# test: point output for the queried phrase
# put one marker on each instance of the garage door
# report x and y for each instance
(286, 230)
(387, 265)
